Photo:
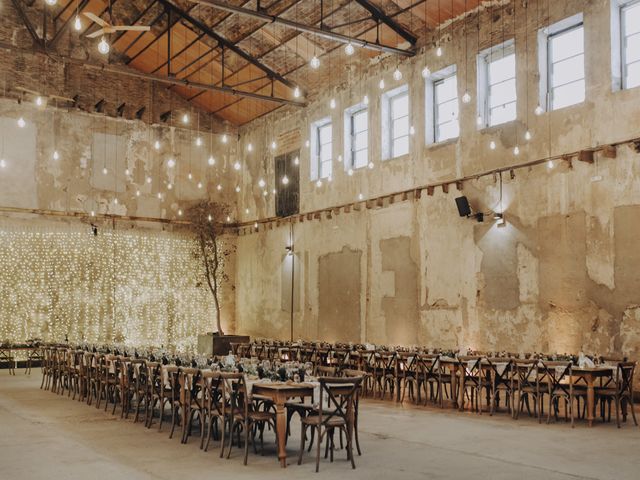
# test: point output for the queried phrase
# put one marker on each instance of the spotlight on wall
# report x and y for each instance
(465, 210)
(499, 218)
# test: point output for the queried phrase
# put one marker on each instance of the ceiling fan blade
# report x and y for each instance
(133, 28)
(96, 19)
(97, 33)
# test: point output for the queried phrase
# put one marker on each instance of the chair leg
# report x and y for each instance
(303, 433)
(318, 447)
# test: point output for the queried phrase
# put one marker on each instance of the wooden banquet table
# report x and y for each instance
(279, 393)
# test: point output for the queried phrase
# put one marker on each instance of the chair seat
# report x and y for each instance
(332, 422)
(606, 392)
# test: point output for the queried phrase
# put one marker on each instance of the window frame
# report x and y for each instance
(431, 106)
(622, 6)
(388, 122)
(316, 149)
(545, 35)
(350, 136)
(484, 59)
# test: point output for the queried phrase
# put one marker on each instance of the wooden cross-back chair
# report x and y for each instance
(340, 394)
(213, 405)
(530, 388)
(560, 388)
(620, 392)
(501, 380)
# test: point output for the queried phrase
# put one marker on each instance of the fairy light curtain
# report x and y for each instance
(136, 287)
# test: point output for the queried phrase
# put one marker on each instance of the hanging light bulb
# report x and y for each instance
(149, 180)
(539, 110)
(348, 49)
(93, 213)
(126, 172)
(332, 103)
(199, 185)
(103, 46)
(3, 163)
(365, 100)
(137, 193)
(104, 171)
(156, 145)
(255, 225)
(21, 122)
(211, 161)
(550, 164)
(209, 217)
(238, 189)
(246, 211)
(185, 118)
(236, 166)
(198, 141)
(250, 147)
(159, 195)
(319, 183)
(228, 219)
(360, 196)
(439, 51)
(171, 163)
(350, 172)
(381, 84)
(190, 176)
(261, 183)
(527, 135)
(77, 24)
(51, 3)
(179, 212)
(264, 193)
(306, 143)
(285, 180)
(412, 130)
(516, 150)
(315, 62)
(219, 187)
(170, 186)
(466, 98)
(492, 145)
(115, 200)
(426, 72)
(273, 145)
(370, 165)
(224, 138)
(296, 92)
(39, 101)
(296, 161)
(273, 191)
(479, 120)
(397, 75)
(56, 155)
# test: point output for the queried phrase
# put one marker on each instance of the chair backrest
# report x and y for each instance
(212, 390)
(341, 394)
(234, 393)
(624, 377)
(558, 375)
(324, 371)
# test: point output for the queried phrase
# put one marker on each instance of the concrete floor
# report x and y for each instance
(45, 436)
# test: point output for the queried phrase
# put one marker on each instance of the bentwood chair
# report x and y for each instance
(169, 394)
(499, 372)
(213, 399)
(560, 383)
(620, 392)
(340, 394)
(350, 373)
(155, 387)
(407, 375)
(530, 388)
(191, 399)
(245, 415)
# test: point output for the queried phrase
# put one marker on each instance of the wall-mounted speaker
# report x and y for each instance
(463, 206)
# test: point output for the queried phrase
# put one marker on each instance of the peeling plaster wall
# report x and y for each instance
(562, 276)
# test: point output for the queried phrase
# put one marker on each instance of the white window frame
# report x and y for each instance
(315, 148)
(494, 53)
(618, 50)
(387, 123)
(431, 123)
(544, 57)
(349, 138)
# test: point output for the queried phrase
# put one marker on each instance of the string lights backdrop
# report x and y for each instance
(139, 287)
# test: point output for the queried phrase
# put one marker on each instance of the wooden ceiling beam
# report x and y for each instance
(378, 14)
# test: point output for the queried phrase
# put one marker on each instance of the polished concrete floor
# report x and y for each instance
(46, 436)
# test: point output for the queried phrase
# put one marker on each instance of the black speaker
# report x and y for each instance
(463, 206)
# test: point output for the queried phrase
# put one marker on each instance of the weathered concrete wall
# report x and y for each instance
(561, 276)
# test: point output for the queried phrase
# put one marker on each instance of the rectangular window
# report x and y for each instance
(324, 148)
(630, 38)
(399, 123)
(561, 63)
(445, 108)
(357, 136)
(566, 67)
(497, 85)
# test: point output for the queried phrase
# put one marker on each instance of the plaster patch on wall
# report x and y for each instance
(527, 274)
(19, 179)
(339, 291)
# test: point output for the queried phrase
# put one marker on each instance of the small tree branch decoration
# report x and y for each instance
(206, 220)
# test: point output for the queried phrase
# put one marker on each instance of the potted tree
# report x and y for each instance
(207, 221)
